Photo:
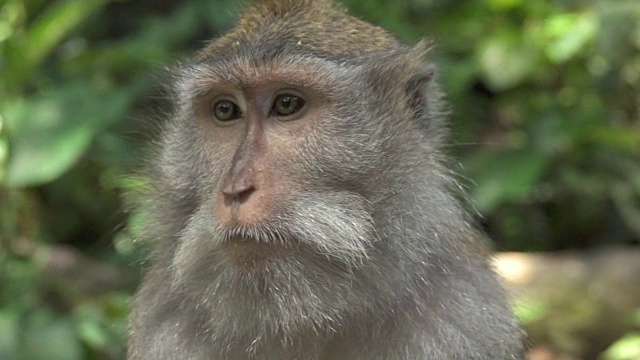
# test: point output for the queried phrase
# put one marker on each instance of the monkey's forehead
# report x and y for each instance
(276, 28)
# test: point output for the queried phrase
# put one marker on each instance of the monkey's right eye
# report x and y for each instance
(226, 110)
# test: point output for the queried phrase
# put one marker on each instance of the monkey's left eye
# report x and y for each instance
(226, 110)
(286, 104)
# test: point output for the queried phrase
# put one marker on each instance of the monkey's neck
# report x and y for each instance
(358, 340)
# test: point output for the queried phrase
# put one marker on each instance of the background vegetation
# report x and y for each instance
(545, 99)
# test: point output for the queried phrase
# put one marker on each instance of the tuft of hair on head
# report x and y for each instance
(316, 27)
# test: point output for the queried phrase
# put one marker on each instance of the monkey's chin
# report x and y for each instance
(251, 254)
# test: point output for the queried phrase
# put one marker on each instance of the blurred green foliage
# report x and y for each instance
(545, 100)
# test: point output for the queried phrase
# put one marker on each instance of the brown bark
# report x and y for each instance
(576, 302)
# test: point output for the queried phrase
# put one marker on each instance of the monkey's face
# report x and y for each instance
(280, 177)
(276, 149)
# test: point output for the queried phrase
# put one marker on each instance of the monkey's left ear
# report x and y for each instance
(420, 86)
(405, 72)
(418, 90)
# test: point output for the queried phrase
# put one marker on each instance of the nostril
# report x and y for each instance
(243, 195)
(237, 195)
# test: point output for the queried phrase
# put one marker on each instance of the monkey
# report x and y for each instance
(301, 205)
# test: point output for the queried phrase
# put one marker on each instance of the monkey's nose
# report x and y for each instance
(237, 193)
(241, 204)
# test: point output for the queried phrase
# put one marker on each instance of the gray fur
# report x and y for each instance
(382, 261)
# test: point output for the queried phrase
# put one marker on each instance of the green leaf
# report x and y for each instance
(626, 348)
(529, 311)
(47, 337)
(636, 318)
(48, 133)
(43, 144)
(50, 28)
(568, 34)
(4, 149)
(506, 60)
(505, 176)
(626, 139)
(90, 326)
(8, 339)
(103, 324)
(504, 5)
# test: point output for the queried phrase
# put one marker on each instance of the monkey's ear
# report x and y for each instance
(420, 86)
(418, 90)
(405, 74)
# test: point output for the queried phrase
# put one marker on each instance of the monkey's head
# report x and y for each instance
(296, 137)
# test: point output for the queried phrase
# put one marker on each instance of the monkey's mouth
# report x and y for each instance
(250, 247)
(254, 235)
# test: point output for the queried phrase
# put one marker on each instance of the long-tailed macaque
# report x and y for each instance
(302, 208)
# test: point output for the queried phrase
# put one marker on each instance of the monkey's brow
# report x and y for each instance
(201, 78)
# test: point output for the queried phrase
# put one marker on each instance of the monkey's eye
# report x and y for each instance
(226, 110)
(286, 104)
